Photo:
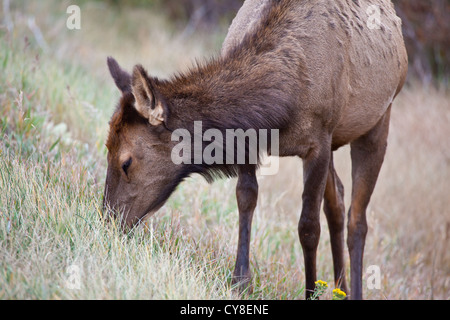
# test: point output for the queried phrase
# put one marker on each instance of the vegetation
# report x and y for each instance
(56, 98)
(426, 25)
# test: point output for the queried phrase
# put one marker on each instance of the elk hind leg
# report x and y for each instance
(367, 153)
(334, 209)
(315, 171)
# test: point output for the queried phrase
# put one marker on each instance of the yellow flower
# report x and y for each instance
(320, 283)
(338, 294)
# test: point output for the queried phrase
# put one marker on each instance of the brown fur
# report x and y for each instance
(314, 71)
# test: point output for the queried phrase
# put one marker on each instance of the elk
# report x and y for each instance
(313, 70)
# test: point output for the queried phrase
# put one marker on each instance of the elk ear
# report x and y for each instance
(120, 76)
(148, 102)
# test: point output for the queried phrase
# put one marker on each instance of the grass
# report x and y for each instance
(55, 105)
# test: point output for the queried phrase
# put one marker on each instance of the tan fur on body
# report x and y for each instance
(349, 71)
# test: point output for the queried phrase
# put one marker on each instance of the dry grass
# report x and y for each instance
(52, 166)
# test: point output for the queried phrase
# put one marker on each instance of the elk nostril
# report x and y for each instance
(126, 165)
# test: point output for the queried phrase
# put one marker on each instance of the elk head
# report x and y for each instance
(140, 175)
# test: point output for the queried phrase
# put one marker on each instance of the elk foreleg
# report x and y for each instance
(246, 194)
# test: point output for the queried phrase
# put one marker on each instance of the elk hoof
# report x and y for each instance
(242, 283)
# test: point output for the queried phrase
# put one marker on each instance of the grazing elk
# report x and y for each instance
(314, 70)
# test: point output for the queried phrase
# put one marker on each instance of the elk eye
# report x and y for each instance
(126, 165)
